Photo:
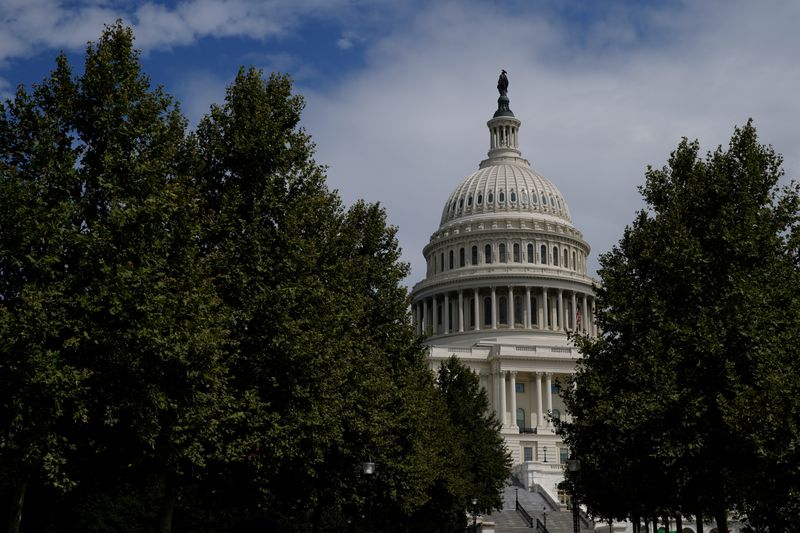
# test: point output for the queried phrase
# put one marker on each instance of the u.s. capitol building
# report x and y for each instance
(506, 280)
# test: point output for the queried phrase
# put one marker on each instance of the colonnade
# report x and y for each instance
(504, 400)
(493, 307)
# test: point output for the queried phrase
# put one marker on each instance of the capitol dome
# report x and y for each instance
(508, 189)
(506, 283)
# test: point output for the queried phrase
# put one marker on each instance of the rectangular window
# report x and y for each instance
(563, 455)
(528, 453)
(520, 387)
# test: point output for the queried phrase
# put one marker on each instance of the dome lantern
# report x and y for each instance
(503, 129)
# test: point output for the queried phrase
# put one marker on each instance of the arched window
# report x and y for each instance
(441, 262)
(555, 256)
(474, 255)
(480, 198)
(462, 257)
(524, 196)
(502, 252)
(516, 252)
(543, 254)
(461, 204)
(502, 310)
(530, 253)
(487, 311)
(513, 196)
(490, 198)
(521, 418)
(534, 317)
(574, 263)
(451, 260)
(501, 197)
(469, 201)
(487, 253)
(544, 199)
(518, 310)
(555, 414)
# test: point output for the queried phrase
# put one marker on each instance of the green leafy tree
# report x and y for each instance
(692, 380)
(476, 461)
(327, 368)
(103, 269)
(41, 386)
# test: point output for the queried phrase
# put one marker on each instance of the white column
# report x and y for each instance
(513, 392)
(539, 414)
(460, 311)
(446, 318)
(545, 310)
(561, 325)
(548, 393)
(494, 308)
(511, 317)
(527, 307)
(477, 310)
(553, 314)
(435, 316)
(584, 315)
(502, 397)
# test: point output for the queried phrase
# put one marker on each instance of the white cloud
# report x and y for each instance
(344, 43)
(410, 126)
(30, 25)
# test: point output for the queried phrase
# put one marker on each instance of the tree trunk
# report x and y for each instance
(15, 516)
(167, 507)
(722, 521)
(637, 527)
(699, 522)
(678, 522)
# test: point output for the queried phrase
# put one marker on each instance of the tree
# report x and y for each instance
(41, 386)
(325, 361)
(112, 294)
(695, 370)
(477, 462)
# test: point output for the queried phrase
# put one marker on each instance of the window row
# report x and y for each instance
(524, 198)
(563, 257)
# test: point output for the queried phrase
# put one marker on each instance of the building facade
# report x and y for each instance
(506, 281)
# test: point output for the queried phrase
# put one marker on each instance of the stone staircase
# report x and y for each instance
(509, 520)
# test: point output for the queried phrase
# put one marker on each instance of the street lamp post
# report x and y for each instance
(475, 515)
(369, 471)
(574, 466)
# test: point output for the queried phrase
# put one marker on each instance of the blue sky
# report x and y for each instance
(398, 92)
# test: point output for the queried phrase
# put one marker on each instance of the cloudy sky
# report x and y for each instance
(398, 91)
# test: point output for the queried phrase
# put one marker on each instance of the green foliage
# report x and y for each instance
(685, 402)
(475, 461)
(196, 335)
